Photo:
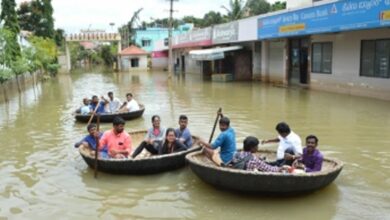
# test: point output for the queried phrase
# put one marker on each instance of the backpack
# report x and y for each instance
(241, 163)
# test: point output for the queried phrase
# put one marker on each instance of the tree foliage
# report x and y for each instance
(127, 31)
(279, 5)
(211, 18)
(10, 22)
(235, 10)
(37, 16)
(257, 7)
(45, 53)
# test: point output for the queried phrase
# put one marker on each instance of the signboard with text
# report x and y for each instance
(225, 33)
(338, 16)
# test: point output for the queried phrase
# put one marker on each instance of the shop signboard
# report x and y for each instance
(337, 16)
(225, 33)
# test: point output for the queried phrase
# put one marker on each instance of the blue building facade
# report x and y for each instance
(146, 38)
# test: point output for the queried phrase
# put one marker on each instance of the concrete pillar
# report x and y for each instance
(265, 61)
(67, 53)
(119, 57)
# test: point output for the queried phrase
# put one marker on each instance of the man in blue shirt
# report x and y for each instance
(183, 133)
(226, 141)
(95, 101)
(90, 141)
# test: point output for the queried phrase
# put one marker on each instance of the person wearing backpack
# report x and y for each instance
(247, 159)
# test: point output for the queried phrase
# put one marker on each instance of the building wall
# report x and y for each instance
(143, 62)
(160, 63)
(345, 77)
(246, 30)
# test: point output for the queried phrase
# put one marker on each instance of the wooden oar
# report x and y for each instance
(97, 146)
(215, 156)
(219, 113)
(93, 114)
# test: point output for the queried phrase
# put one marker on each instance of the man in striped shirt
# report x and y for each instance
(253, 163)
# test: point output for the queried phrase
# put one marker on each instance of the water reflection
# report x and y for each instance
(44, 177)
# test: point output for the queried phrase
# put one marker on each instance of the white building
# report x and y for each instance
(133, 58)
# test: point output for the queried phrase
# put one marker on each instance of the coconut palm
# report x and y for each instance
(235, 10)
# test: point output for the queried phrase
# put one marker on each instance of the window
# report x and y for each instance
(375, 58)
(321, 58)
(134, 62)
(146, 43)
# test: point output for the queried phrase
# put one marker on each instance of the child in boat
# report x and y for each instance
(171, 144)
(249, 161)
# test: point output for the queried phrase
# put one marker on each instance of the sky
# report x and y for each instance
(73, 15)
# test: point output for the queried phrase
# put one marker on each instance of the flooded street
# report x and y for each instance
(44, 177)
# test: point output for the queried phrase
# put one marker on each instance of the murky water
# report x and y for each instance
(44, 177)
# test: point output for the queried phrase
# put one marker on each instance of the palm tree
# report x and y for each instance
(236, 10)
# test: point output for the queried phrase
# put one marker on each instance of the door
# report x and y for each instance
(183, 64)
(298, 65)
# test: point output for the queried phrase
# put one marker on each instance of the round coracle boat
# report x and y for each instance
(108, 117)
(263, 182)
(143, 163)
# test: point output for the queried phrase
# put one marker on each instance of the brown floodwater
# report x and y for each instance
(44, 177)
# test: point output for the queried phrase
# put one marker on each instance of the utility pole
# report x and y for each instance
(170, 54)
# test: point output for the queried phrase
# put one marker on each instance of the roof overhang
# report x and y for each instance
(212, 53)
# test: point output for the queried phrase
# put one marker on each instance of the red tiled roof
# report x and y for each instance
(133, 50)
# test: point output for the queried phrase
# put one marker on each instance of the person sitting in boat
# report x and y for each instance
(226, 141)
(248, 160)
(85, 109)
(130, 105)
(182, 133)
(311, 158)
(118, 141)
(114, 103)
(153, 139)
(290, 145)
(90, 141)
(171, 143)
(99, 104)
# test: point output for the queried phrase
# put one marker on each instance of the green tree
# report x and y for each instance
(19, 67)
(5, 59)
(106, 55)
(212, 18)
(127, 31)
(9, 17)
(33, 63)
(279, 5)
(46, 24)
(37, 16)
(257, 7)
(235, 10)
(194, 20)
(45, 54)
(59, 37)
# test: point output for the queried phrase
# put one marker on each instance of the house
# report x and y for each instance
(133, 58)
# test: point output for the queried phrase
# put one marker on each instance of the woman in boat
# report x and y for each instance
(153, 140)
(171, 143)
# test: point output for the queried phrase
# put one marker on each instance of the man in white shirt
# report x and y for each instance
(113, 103)
(290, 145)
(131, 105)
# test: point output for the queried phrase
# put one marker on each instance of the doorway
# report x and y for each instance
(183, 64)
(298, 61)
